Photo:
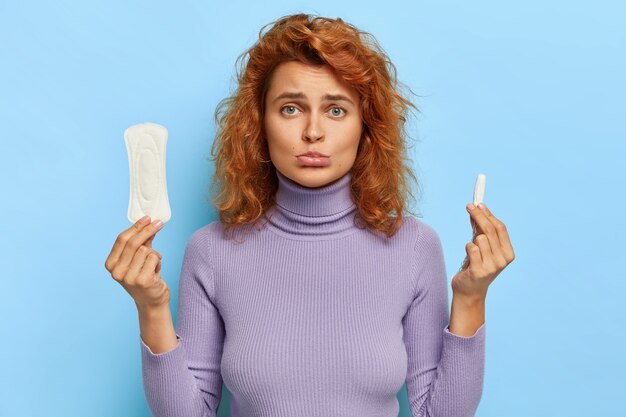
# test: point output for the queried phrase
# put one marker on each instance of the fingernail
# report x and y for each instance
(144, 219)
(482, 206)
(157, 224)
(470, 207)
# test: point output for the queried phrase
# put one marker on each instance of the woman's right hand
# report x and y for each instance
(136, 266)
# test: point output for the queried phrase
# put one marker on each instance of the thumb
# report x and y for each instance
(474, 228)
(149, 241)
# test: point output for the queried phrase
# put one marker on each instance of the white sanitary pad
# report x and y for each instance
(145, 144)
(479, 189)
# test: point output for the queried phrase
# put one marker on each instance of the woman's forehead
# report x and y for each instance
(294, 78)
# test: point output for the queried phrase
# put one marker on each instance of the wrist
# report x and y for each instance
(469, 301)
(153, 310)
(467, 315)
(156, 328)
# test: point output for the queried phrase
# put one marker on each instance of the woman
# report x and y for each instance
(313, 295)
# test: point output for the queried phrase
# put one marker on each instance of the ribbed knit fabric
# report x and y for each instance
(313, 316)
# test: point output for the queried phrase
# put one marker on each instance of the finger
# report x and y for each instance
(466, 261)
(503, 234)
(139, 263)
(487, 228)
(136, 265)
(474, 256)
(486, 253)
(121, 240)
(158, 268)
(149, 267)
(149, 241)
(136, 241)
(146, 276)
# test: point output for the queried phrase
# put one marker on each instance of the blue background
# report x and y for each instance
(531, 94)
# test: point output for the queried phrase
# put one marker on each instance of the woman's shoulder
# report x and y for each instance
(205, 235)
(215, 233)
(420, 230)
(209, 229)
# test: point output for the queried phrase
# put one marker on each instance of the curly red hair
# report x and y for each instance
(247, 183)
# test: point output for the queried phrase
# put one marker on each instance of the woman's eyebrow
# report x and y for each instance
(325, 97)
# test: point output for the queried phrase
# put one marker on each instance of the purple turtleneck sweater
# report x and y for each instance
(309, 315)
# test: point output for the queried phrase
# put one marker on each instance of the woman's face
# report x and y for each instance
(309, 108)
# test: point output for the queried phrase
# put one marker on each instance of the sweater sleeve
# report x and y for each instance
(445, 371)
(186, 381)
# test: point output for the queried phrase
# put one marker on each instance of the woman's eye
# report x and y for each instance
(340, 109)
(289, 107)
(336, 111)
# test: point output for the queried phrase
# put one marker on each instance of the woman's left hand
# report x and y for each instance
(487, 255)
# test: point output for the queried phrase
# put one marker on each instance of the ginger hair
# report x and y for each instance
(247, 182)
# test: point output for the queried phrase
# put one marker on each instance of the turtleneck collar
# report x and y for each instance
(321, 213)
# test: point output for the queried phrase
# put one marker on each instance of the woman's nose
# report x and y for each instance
(313, 131)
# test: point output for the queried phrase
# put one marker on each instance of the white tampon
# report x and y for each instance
(479, 189)
(146, 144)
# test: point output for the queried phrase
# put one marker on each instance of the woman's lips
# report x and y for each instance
(317, 161)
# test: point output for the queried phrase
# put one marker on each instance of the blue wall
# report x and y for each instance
(531, 94)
